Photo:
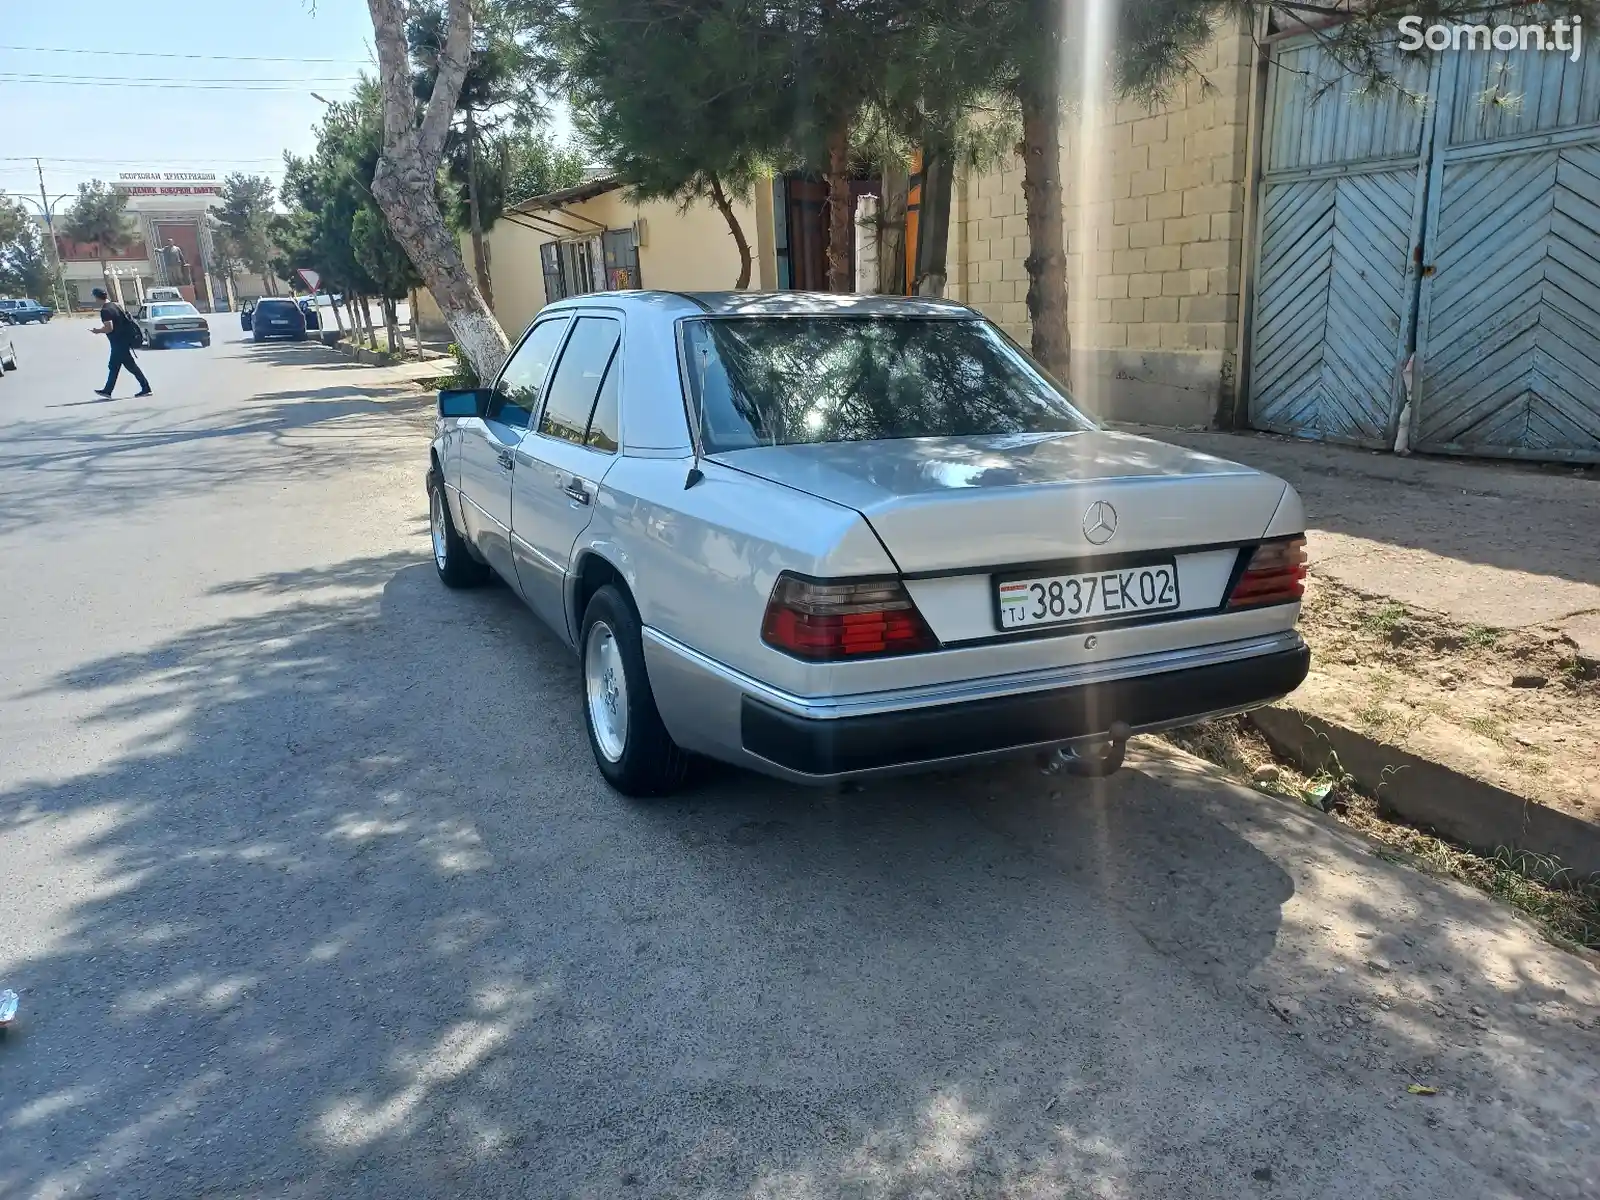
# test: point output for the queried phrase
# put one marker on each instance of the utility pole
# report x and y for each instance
(55, 251)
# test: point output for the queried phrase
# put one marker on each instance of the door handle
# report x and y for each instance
(576, 491)
(506, 460)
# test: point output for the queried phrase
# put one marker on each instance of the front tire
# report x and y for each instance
(631, 746)
(451, 558)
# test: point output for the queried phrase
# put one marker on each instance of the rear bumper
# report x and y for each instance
(713, 710)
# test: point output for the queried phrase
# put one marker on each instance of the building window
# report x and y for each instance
(607, 262)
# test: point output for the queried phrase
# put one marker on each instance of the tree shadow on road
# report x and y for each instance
(349, 913)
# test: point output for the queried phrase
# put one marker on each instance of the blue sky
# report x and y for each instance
(84, 132)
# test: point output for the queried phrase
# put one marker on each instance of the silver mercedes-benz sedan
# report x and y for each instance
(829, 536)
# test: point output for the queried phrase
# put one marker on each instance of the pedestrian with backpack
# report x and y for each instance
(124, 335)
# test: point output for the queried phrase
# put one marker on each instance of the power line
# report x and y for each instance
(53, 158)
(291, 85)
(165, 54)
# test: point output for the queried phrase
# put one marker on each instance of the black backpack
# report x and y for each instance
(132, 334)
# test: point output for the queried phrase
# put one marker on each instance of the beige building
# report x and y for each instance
(592, 238)
(1155, 217)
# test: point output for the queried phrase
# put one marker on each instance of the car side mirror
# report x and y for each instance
(464, 402)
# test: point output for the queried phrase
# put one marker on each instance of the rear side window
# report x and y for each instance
(603, 426)
(577, 380)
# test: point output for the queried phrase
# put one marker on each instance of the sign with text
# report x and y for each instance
(168, 183)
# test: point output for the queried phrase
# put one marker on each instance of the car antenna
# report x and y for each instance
(695, 473)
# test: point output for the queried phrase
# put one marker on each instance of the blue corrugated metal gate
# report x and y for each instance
(1468, 228)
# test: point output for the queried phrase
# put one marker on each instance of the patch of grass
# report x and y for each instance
(1486, 727)
(1383, 620)
(1482, 637)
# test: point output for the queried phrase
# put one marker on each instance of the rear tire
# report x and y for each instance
(451, 558)
(631, 746)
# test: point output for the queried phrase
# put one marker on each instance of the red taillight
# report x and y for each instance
(1276, 575)
(823, 621)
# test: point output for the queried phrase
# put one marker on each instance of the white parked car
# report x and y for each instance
(167, 322)
(829, 536)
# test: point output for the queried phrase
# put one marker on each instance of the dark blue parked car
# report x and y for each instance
(21, 312)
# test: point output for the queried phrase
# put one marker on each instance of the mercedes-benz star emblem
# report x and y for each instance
(1100, 523)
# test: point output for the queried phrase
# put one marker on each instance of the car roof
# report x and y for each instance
(766, 304)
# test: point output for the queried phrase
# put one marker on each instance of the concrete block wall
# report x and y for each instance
(1154, 300)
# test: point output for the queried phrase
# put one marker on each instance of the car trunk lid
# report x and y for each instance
(962, 503)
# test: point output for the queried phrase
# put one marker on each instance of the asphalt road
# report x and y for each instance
(310, 889)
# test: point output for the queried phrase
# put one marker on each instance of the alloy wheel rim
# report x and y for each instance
(606, 684)
(436, 527)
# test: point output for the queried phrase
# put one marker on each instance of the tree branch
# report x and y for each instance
(394, 68)
(450, 73)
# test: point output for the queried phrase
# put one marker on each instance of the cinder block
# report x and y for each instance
(1163, 258)
(1214, 198)
(1146, 233)
(1151, 129)
(1113, 336)
(1179, 230)
(1163, 205)
(1134, 158)
(1161, 308)
(1190, 173)
(1127, 311)
(1208, 308)
(1016, 225)
(1111, 287)
(1177, 283)
(1144, 337)
(1112, 237)
(1166, 154)
(1148, 183)
(1228, 226)
(1144, 284)
(989, 271)
(1206, 254)
(1011, 269)
(1130, 211)
(1127, 262)
(1222, 281)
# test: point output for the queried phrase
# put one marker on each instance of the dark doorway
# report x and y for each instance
(806, 205)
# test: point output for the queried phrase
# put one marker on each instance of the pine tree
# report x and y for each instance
(99, 216)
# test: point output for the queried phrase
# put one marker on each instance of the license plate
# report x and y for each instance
(1091, 596)
(280, 322)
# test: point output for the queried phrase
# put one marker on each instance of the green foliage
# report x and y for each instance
(24, 262)
(532, 163)
(100, 215)
(332, 224)
(501, 105)
(243, 230)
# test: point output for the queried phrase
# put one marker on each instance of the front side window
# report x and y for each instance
(516, 393)
(777, 381)
(577, 380)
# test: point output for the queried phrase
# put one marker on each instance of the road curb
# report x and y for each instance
(1478, 815)
(380, 358)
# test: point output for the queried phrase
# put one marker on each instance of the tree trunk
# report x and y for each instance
(391, 326)
(719, 197)
(480, 256)
(1046, 263)
(416, 329)
(933, 221)
(404, 183)
(105, 277)
(840, 272)
(338, 321)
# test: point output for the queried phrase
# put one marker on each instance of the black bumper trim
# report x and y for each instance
(845, 745)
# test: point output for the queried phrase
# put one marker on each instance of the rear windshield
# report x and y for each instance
(277, 306)
(174, 310)
(778, 381)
